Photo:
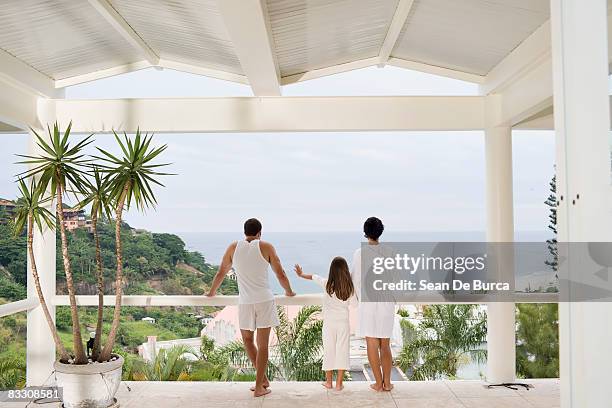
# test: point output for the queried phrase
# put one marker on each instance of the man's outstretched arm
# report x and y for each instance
(224, 268)
(277, 267)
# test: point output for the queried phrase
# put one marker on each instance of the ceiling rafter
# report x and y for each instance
(116, 20)
(395, 28)
(248, 25)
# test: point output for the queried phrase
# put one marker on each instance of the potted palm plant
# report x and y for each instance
(129, 179)
(62, 168)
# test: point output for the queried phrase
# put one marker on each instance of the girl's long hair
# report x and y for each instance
(339, 281)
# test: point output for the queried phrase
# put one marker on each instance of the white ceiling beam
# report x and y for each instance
(249, 28)
(532, 51)
(435, 70)
(395, 28)
(108, 12)
(23, 75)
(198, 70)
(104, 73)
(18, 106)
(163, 63)
(272, 114)
(335, 69)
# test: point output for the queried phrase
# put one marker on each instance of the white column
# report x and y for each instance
(582, 122)
(501, 343)
(40, 349)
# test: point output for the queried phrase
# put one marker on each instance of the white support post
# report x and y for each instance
(501, 343)
(40, 349)
(582, 124)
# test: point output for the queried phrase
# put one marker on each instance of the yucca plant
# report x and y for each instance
(29, 212)
(59, 170)
(97, 195)
(130, 178)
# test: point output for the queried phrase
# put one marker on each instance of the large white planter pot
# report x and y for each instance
(91, 385)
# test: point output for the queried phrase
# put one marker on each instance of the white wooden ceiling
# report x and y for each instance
(70, 38)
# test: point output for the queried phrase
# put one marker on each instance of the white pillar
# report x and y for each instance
(582, 122)
(40, 349)
(501, 343)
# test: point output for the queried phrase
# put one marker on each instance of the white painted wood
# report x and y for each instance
(118, 23)
(468, 35)
(249, 28)
(245, 114)
(14, 70)
(136, 66)
(17, 104)
(104, 73)
(336, 69)
(395, 28)
(501, 347)
(18, 306)
(40, 349)
(582, 122)
(531, 52)
(436, 70)
(302, 300)
(198, 70)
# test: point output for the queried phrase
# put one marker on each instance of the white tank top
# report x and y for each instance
(252, 272)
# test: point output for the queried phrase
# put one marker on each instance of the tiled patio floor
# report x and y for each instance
(407, 394)
(438, 394)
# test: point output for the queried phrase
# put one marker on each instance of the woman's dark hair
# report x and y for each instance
(252, 227)
(373, 228)
(339, 280)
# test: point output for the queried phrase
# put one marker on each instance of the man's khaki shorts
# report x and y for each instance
(258, 316)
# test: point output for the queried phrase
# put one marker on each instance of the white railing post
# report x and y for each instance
(501, 342)
(582, 124)
(40, 349)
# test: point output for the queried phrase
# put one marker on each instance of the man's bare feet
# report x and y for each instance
(266, 384)
(327, 385)
(339, 388)
(261, 392)
(376, 387)
(387, 387)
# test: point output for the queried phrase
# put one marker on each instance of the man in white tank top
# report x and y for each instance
(256, 309)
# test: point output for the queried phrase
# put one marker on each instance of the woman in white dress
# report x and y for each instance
(339, 294)
(375, 318)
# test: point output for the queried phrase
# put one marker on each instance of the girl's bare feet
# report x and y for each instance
(261, 392)
(376, 387)
(387, 387)
(328, 385)
(339, 387)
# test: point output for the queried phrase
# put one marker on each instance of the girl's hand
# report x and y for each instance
(298, 270)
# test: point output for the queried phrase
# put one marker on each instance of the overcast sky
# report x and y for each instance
(415, 181)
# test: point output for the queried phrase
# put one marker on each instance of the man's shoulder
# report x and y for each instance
(232, 246)
(265, 244)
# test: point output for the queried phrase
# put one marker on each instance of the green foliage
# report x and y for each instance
(12, 373)
(168, 365)
(447, 338)
(12, 350)
(11, 290)
(537, 351)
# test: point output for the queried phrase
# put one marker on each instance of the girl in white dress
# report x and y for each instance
(339, 292)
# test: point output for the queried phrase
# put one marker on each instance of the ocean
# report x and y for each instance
(314, 251)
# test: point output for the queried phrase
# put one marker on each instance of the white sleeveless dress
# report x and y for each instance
(375, 319)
